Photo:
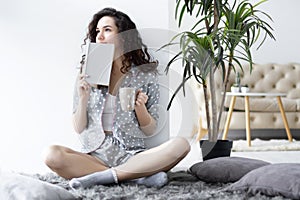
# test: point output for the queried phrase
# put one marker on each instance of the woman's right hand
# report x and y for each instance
(83, 88)
(80, 116)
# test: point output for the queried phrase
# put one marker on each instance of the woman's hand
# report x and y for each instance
(83, 88)
(146, 121)
(141, 98)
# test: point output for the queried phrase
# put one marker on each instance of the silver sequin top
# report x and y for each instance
(125, 126)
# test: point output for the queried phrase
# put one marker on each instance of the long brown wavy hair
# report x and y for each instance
(135, 51)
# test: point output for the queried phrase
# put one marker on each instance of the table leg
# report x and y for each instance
(247, 117)
(227, 123)
(286, 125)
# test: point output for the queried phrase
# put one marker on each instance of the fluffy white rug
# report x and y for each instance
(266, 145)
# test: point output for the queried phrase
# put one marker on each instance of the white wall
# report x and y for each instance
(40, 48)
(286, 27)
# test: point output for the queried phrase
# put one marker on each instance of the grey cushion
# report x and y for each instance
(16, 186)
(225, 169)
(272, 180)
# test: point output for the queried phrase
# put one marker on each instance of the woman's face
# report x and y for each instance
(107, 31)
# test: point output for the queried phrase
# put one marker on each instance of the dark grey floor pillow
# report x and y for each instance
(272, 180)
(225, 169)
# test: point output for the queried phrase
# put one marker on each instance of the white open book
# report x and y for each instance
(98, 64)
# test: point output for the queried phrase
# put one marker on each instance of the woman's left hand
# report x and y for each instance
(141, 98)
(143, 116)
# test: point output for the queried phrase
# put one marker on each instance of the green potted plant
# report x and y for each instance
(219, 41)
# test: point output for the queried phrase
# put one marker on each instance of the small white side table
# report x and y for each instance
(247, 112)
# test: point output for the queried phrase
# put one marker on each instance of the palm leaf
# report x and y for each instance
(176, 92)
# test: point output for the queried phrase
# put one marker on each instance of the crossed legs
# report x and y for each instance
(71, 164)
(161, 158)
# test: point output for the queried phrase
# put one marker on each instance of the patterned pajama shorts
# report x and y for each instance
(110, 152)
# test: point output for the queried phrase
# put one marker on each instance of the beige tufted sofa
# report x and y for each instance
(264, 111)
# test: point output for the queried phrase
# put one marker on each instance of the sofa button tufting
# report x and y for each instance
(270, 78)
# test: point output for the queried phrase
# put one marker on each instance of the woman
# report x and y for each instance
(113, 140)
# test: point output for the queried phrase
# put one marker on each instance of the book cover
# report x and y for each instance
(98, 64)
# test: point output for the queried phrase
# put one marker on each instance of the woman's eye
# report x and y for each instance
(107, 30)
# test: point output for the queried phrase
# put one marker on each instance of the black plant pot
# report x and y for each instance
(220, 148)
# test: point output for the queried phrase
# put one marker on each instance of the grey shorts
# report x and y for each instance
(111, 153)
